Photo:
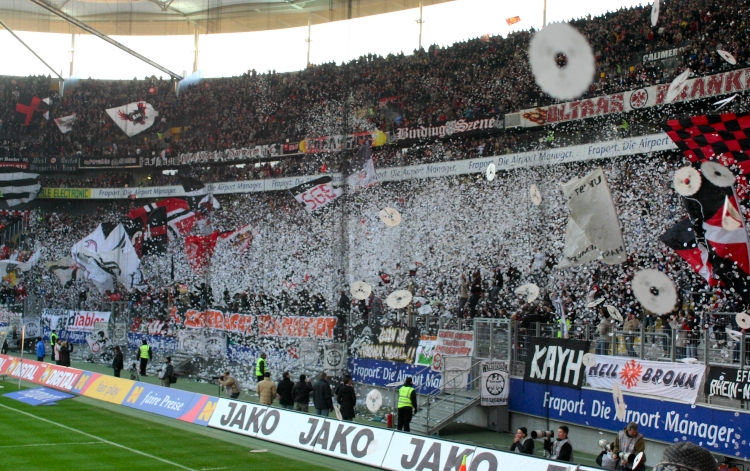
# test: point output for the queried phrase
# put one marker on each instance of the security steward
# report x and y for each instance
(407, 404)
(260, 367)
(145, 356)
(52, 341)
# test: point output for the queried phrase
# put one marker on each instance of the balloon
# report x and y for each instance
(379, 138)
(303, 146)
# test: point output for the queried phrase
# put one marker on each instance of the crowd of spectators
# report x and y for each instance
(480, 77)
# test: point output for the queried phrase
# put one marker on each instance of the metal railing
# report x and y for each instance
(450, 400)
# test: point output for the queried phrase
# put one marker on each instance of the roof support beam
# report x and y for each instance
(89, 29)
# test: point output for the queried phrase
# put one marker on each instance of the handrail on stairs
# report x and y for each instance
(452, 397)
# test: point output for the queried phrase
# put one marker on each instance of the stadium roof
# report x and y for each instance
(173, 17)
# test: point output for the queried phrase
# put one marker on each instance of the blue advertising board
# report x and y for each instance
(38, 396)
(718, 430)
(382, 372)
(159, 400)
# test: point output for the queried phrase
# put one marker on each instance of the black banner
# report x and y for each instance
(556, 361)
(731, 383)
(54, 164)
(386, 343)
(110, 162)
(233, 156)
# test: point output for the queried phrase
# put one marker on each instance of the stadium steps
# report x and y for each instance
(436, 412)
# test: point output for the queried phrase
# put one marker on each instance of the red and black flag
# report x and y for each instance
(28, 106)
(723, 138)
(681, 239)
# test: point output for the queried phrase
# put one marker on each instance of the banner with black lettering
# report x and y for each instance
(674, 381)
(495, 383)
(556, 361)
(731, 383)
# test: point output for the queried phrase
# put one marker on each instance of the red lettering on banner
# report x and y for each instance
(318, 327)
(552, 114)
(587, 108)
(617, 103)
(193, 318)
(602, 105)
(733, 81)
(574, 109)
(699, 88)
(715, 83)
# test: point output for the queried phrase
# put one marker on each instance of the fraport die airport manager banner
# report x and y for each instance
(719, 431)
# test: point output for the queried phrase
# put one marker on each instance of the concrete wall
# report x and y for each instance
(583, 438)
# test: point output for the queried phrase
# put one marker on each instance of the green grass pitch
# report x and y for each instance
(73, 435)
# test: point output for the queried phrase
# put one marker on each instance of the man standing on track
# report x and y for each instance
(260, 367)
(145, 356)
(407, 404)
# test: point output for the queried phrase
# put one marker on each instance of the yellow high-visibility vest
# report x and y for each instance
(257, 367)
(404, 397)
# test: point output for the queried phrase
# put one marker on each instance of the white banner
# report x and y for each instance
(334, 358)
(591, 207)
(672, 381)
(580, 153)
(455, 343)
(73, 321)
(33, 327)
(120, 334)
(495, 383)
(456, 372)
(733, 81)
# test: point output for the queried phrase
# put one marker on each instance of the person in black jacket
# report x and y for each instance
(522, 443)
(117, 362)
(347, 399)
(284, 391)
(322, 397)
(65, 352)
(301, 394)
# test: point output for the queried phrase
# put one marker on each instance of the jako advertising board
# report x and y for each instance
(719, 431)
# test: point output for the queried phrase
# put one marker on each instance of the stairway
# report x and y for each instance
(182, 363)
(437, 411)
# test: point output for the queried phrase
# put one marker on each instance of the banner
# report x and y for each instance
(580, 153)
(495, 383)
(733, 81)
(65, 193)
(426, 350)
(33, 327)
(717, 430)
(591, 207)
(456, 372)
(449, 128)
(381, 373)
(110, 162)
(455, 343)
(315, 194)
(217, 156)
(120, 334)
(53, 164)
(673, 381)
(556, 361)
(334, 358)
(71, 326)
(728, 382)
(385, 343)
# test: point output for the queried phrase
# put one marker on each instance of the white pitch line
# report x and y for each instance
(212, 469)
(51, 444)
(99, 438)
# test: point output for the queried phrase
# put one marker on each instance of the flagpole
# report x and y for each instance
(20, 371)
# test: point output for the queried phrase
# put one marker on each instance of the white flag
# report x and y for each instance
(578, 248)
(133, 118)
(591, 207)
(108, 259)
(65, 124)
